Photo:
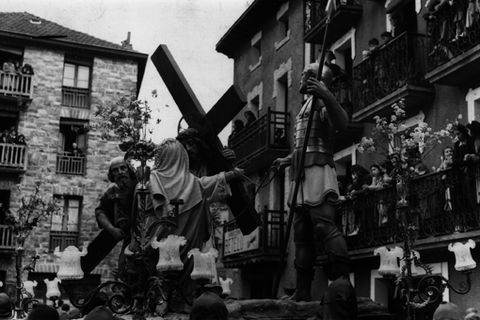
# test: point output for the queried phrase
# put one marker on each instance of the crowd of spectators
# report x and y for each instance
(464, 152)
(12, 137)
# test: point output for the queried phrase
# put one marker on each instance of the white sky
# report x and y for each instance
(190, 29)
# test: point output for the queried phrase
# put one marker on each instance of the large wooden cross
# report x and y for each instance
(209, 125)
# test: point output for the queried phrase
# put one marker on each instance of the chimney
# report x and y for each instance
(126, 43)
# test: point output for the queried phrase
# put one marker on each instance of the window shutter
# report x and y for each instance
(73, 214)
(69, 75)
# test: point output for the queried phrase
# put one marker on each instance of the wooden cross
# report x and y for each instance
(209, 125)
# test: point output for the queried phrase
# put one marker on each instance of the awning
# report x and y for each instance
(392, 5)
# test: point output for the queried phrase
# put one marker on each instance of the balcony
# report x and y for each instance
(68, 164)
(17, 88)
(262, 245)
(453, 56)
(393, 71)
(62, 239)
(346, 15)
(266, 139)
(75, 97)
(371, 220)
(13, 158)
(6, 239)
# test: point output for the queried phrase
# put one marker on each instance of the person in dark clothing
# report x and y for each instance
(43, 312)
(249, 118)
(113, 215)
(463, 146)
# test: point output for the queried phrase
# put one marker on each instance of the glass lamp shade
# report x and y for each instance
(169, 252)
(52, 288)
(69, 266)
(203, 264)
(29, 285)
(389, 260)
(463, 256)
(225, 284)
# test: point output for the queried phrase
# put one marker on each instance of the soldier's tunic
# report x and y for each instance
(319, 182)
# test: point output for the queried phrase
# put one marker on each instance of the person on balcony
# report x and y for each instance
(386, 37)
(249, 118)
(446, 160)
(76, 152)
(314, 219)
(237, 126)
(377, 178)
(463, 145)
(474, 133)
(113, 215)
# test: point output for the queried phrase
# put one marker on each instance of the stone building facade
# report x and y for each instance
(70, 78)
(429, 62)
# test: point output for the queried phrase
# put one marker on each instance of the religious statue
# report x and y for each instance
(314, 215)
(113, 215)
(171, 179)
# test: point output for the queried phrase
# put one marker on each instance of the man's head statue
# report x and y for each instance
(120, 171)
(311, 70)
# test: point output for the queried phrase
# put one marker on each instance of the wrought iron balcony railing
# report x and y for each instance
(450, 35)
(16, 84)
(263, 244)
(6, 238)
(68, 164)
(13, 156)
(62, 239)
(399, 62)
(346, 13)
(262, 141)
(441, 203)
(75, 97)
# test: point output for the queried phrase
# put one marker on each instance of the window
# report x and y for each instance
(473, 104)
(283, 26)
(76, 82)
(281, 101)
(256, 43)
(66, 223)
(71, 158)
(255, 105)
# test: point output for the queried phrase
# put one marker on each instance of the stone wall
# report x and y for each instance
(110, 79)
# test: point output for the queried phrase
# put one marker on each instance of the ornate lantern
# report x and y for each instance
(70, 268)
(169, 252)
(225, 283)
(204, 264)
(52, 288)
(389, 260)
(463, 256)
(29, 285)
(414, 255)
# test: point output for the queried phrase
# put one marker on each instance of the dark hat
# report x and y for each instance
(100, 313)
(43, 312)
(6, 307)
(208, 306)
(474, 127)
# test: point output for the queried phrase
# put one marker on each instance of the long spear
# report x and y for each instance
(330, 8)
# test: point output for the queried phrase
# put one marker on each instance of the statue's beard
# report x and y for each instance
(123, 181)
